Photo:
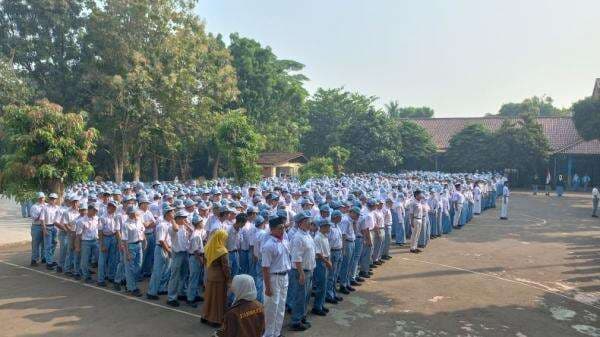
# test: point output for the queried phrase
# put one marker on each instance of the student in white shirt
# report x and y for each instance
(88, 233)
(180, 232)
(162, 254)
(107, 261)
(132, 235)
(50, 217)
(149, 222)
(505, 195)
(37, 236)
(195, 262)
(303, 259)
(323, 266)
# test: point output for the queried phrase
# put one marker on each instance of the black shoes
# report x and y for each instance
(152, 297)
(33, 263)
(331, 300)
(191, 304)
(101, 284)
(136, 293)
(343, 290)
(298, 327)
(415, 251)
(173, 303)
(318, 312)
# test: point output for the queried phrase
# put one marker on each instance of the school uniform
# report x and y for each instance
(321, 248)
(303, 252)
(233, 246)
(349, 238)
(504, 209)
(150, 243)
(179, 262)
(367, 223)
(196, 269)
(334, 238)
(88, 231)
(107, 261)
(161, 266)
(37, 236)
(132, 234)
(416, 213)
(275, 255)
(68, 221)
(50, 216)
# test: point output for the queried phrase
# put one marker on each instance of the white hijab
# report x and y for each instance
(243, 288)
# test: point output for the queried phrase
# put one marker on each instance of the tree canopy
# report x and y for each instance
(586, 116)
(47, 149)
(394, 110)
(536, 106)
(479, 141)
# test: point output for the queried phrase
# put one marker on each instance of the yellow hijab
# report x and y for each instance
(215, 247)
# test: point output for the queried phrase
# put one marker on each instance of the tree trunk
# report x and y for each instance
(154, 167)
(118, 170)
(215, 169)
(137, 167)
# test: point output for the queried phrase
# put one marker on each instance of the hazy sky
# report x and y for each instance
(461, 57)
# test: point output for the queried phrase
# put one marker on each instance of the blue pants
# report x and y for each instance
(336, 263)
(400, 233)
(348, 253)
(86, 252)
(302, 294)
(425, 233)
(148, 255)
(120, 273)
(433, 223)
(37, 241)
(387, 240)
(50, 243)
(178, 273)
(258, 281)
(107, 261)
(160, 271)
(62, 251)
(134, 265)
(196, 276)
(560, 190)
(244, 259)
(356, 254)
(320, 279)
(234, 263)
(365, 257)
(68, 266)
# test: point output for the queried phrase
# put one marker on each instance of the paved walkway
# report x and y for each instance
(13, 228)
(536, 274)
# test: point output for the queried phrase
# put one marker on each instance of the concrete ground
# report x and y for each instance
(537, 274)
(14, 228)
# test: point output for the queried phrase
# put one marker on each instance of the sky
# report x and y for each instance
(463, 58)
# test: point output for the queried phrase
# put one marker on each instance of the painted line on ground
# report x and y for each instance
(101, 289)
(503, 279)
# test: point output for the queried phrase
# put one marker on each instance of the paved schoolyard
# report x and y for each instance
(13, 227)
(537, 274)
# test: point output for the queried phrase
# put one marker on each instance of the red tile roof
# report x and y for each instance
(277, 158)
(561, 132)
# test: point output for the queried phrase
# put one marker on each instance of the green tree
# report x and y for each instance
(317, 167)
(374, 142)
(14, 89)
(330, 112)
(240, 145)
(537, 106)
(47, 149)
(418, 147)
(392, 109)
(339, 156)
(154, 77)
(586, 116)
(271, 93)
(414, 112)
(42, 37)
(476, 142)
(522, 146)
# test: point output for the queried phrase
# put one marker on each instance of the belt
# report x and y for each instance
(50, 225)
(109, 235)
(149, 233)
(245, 250)
(134, 243)
(336, 249)
(349, 240)
(306, 270)
(281, 273)
(90, 240)
(233, 251)
(417, 218)
(36, 224)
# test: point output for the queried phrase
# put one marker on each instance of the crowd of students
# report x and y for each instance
(321, 238)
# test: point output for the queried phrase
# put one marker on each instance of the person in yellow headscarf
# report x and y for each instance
(218, 279)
